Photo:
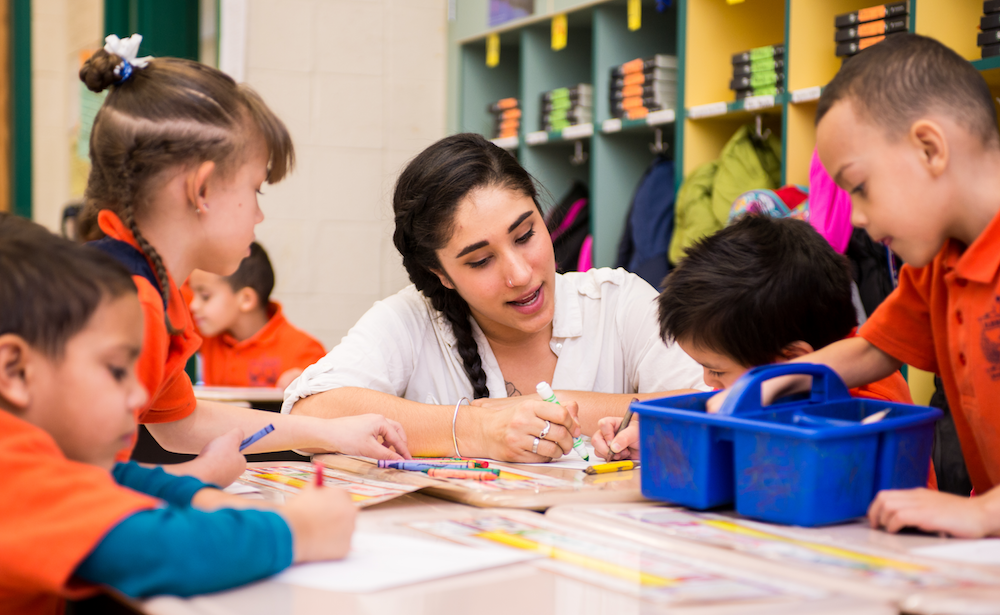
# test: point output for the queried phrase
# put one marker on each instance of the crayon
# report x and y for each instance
(416, 466)
(465, 474)
(318, 469)
(614, 466)
(257, 436)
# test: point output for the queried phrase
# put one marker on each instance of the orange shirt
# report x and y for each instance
(53, 512)
(161, 364)
(945, 318)
(894, 388)
(259, 360)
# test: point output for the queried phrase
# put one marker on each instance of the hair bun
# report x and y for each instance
(98, 73)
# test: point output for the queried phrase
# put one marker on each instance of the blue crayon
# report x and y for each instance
(257, 436)
(416, 466)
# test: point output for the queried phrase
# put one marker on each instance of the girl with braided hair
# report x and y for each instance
(488, 318)
(179, 152)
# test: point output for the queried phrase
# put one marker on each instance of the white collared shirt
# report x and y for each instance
(604, 333)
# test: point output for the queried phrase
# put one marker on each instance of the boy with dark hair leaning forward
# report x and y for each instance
(764, 290)
(908, 127)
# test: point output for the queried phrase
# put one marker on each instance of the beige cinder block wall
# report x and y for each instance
(361, 85)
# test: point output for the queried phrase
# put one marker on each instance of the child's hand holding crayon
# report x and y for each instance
(608, 439)
(322, 521)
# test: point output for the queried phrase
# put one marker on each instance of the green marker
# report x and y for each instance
(547, 394)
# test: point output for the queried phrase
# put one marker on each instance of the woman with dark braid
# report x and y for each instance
(488, 318)
(179, 153)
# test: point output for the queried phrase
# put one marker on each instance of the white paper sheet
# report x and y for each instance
(968, 551)
(381, 561)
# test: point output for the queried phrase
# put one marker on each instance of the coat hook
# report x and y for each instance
(579, 156)
(759, 131)
(658, 146)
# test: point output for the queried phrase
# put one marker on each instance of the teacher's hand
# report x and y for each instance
(511, 426)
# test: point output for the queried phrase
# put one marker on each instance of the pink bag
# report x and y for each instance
(829, 207)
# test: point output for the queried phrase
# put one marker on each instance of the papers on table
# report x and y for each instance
(380, 561)
(967, 551)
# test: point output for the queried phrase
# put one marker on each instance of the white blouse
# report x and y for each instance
(604, 333)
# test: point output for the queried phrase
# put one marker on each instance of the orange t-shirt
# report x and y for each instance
(945, 318)
(260, 359)
(161, 364)
(53, 512)
(894, 389)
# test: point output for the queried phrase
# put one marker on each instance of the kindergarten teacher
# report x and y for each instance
(488, 318)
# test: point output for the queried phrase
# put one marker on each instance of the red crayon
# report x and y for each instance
(318, 469)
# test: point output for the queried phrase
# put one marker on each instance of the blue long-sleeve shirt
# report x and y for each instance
(183, 551)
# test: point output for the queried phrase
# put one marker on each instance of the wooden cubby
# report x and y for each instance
(703, 34)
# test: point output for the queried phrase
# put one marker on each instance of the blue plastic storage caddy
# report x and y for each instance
(803, 461)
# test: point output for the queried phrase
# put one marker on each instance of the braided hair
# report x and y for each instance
(428, 193)
(172, 113)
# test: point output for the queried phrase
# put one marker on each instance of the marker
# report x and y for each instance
(257, 436)
(614, 466)
(467, 474)
(547, 394)
(318, 469)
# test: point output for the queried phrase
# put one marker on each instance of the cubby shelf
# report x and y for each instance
(703, 34)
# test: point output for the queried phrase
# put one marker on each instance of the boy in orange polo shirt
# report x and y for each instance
(248, 341)
(909, 129)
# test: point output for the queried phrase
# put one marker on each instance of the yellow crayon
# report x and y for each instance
(614, 466)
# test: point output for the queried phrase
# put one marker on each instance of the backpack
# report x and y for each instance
(650, 224)
(569, 226)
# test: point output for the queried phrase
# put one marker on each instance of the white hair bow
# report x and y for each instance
(126, 49)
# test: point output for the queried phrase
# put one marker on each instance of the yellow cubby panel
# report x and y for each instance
(953, 22)
(705, 138)
(716, 31)
(813, 50)
(921, 385)
(800, 141)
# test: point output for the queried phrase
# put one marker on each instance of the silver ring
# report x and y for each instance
(545, 430)
(534, 446)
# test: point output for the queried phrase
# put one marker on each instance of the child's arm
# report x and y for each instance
(618, 447)
(179, 490)
(368, 435)
(184, 551)
(934, 511)
(856, 360)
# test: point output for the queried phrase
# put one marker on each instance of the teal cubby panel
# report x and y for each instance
(482, 85)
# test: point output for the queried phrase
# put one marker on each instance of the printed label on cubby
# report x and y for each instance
(709, 110)
(752, 103)
(536, 138)
(807, 94)
(663, 116)
(578, 131)
(612, 125)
